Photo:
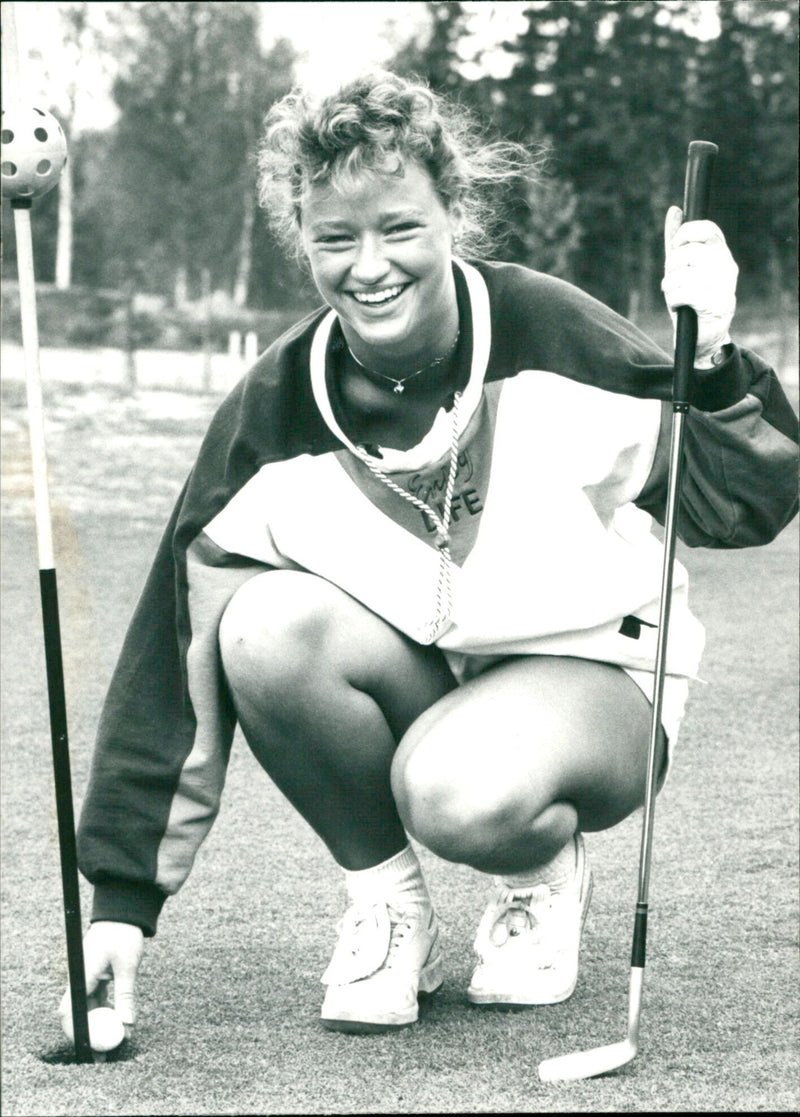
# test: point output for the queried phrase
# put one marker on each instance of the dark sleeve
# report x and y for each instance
(144, 736)
(167, 722)
(740, 457)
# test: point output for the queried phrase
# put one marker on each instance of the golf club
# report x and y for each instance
(603, 1060)
(34, 152)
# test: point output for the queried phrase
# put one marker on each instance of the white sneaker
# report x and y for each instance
(383, 960)
(528, 942)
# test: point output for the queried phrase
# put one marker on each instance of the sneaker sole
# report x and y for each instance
(431, 979)
(511, 1000)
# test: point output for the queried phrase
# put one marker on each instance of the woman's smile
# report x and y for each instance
(380, 298)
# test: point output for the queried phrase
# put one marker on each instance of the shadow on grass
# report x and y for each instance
(64, 1055)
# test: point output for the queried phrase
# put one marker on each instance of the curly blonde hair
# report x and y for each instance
(374, 124)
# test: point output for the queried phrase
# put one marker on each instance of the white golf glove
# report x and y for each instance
(111, 952)
(700, 272)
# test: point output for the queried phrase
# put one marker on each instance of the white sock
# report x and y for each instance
(557, 873)
(398, 878)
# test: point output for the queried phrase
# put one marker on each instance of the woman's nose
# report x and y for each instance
(370, 265)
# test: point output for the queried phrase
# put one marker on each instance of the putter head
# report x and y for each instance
(587, 1064)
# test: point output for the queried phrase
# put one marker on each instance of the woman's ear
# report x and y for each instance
(456, 216)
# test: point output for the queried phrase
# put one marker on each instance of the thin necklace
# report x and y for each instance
(444, 587)
(399, 385)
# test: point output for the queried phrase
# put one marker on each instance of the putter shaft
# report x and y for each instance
(603, 1060)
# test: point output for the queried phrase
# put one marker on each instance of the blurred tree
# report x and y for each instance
(433, 52)
(619, 88)
(445, 53)
(774, 34)
(747, 98)
(551, 234)
(93, 252)
(80, 26)
(450, 58)
(191, 89)
(775, 76)
(605, 82)
(726, 111)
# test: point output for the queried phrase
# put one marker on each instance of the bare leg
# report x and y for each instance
(324, 690)
(500, 773)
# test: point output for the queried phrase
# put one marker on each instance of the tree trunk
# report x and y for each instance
(640, 282)
(130, 338)
(782, 300)
(206, 301)
(627, 300)
(181, 287)
(241, 284)
(64, 235)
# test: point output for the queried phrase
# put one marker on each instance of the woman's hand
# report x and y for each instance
(700, 272)
(112, 952)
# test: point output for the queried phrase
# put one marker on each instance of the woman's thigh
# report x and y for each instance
(301, 648)
(529, 732)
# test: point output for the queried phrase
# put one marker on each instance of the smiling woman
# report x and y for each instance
(415, 562)
(374, 190)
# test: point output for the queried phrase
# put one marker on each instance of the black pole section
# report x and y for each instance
(65, 815)
(699, 165)
(639, 946)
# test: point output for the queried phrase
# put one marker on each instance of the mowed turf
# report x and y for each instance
(229, 990)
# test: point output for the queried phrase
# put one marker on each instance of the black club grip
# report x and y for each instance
(699, 165)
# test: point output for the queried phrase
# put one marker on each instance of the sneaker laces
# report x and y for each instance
(370, 938)
(523, 915)
(400, 930)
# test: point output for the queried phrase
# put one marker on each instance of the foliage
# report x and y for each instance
(89, 316)
(164, 199)
(748, 91)
(190, 91)
(619, 88)
(551, 232)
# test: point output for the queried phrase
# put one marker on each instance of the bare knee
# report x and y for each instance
(460, 812)
(275, 628)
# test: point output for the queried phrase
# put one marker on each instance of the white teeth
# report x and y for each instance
(377, 296)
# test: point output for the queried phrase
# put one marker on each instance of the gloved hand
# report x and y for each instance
(700, 272)
(111, 952)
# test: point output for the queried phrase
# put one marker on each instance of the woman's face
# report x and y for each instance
(380, 255)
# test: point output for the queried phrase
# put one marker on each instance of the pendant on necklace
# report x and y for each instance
(398, 389)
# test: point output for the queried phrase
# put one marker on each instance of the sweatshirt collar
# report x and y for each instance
(437, 440)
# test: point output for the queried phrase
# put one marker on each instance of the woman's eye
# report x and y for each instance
(403, 227)
(334, 240)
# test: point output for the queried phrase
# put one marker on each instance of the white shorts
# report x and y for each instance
(673, 700)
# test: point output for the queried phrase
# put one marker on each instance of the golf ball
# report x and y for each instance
(106, 1030)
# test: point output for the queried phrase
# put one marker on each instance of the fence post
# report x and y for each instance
(130, 336)
(250, 348)
(206, 297)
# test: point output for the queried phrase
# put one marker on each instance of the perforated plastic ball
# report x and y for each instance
(34, 151)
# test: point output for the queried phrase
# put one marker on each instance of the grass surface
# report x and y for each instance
(229, 990)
